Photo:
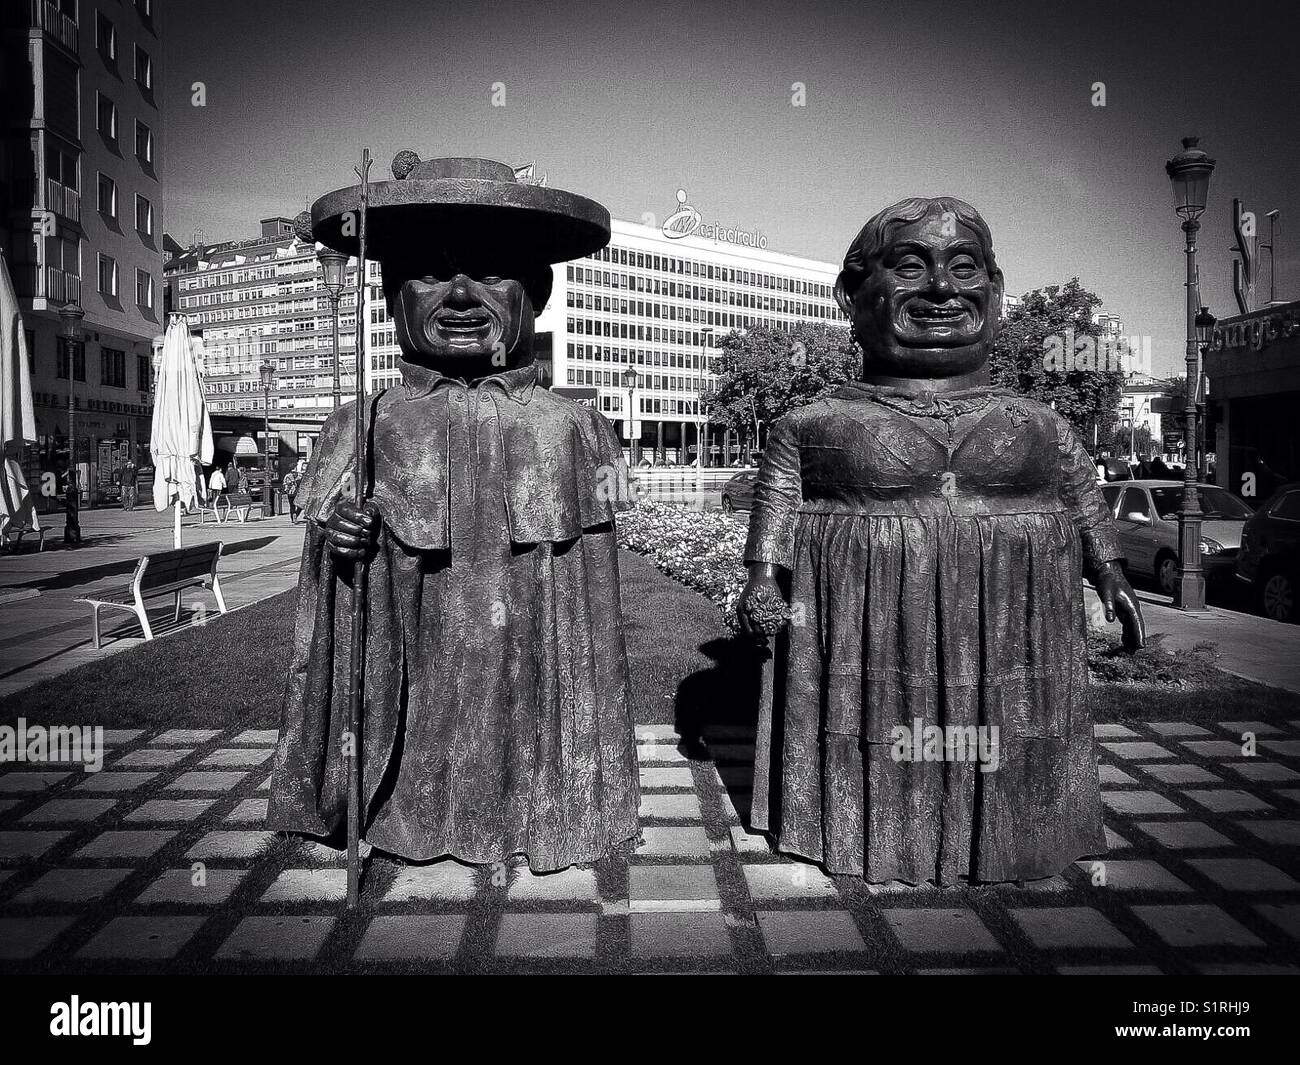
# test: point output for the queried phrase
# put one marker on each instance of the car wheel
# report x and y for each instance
(1277, 596)
(1167, 573)
(727, 505)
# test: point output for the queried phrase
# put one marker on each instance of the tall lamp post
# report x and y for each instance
(1189, 173)
(71, 315)
(1204, 334)
(333, 268)
(701, 421)
(267, 370)
(630, 380)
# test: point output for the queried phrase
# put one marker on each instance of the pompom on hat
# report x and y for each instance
(475, 208)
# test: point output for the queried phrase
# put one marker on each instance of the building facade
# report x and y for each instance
(80, 167)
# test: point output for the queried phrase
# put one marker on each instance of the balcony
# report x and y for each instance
(61, 27)
(34, 281)
(62, 200)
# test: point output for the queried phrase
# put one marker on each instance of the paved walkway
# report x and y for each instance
(160, 862)
(44, 631)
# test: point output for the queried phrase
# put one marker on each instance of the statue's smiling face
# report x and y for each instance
(464, 325)
(929, 308)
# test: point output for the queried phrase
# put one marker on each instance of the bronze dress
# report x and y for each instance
(936, 546)
(496, 713)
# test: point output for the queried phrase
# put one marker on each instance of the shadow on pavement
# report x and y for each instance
(75, 578)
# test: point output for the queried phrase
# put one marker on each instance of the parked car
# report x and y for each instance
(738, 493)
(1269, 559)
(1112, 469)
(1146, 518)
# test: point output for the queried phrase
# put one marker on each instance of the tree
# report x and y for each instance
(1051, 350)
(764, 373)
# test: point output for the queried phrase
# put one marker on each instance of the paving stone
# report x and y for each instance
(1058, 927)
(1195, 926)
(1131, 875)
(1110, 970)
(1184, 835)
(734, 777)
(27, 843)
(229, 845)
(788, 880)
(1260, 728)
(787, 932)
(730, 733)
(60, 811)
(737, 810)
(1257, 968)
(265, 785)
(72, 885)
(283, 937)
(116, 737)
(155, 757)
(268, 736)
(1244, 874)
(442, 881)
(684, 806)
(671, 888)
(1050, 885)
(1278, 833)
(1109, 774)
(950, 931)
(238, 756)
(657, 777)
(199, 780)
(659, 752)
(673, 843)
(977, 970)
(411, 937)
(1114, 841)
(36, 780)
(1214, 748)
(675, 935)
(749, 843)
(1226, 800)
(1106, 731)
(656, 734)
(25, 937)
(248, 810)
(568, 885)
(1286, 748)
(1181, 774)
(308, 885)
(114, 782)
(126, 844)
(1176, 728)
(547, 935)
(178, 887)
(1287, 794)
(1133, 751)
(1285, 917)
(160, 936)
(162, 811)
(740, 753)
(1139, 802)
(1266, 772)
(9, 804)
(182, 737)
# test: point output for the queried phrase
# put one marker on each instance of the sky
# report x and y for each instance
(992, 102)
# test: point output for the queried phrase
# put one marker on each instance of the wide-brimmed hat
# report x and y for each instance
(476, 206)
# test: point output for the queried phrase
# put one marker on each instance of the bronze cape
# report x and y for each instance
(496, 714)
(936, 547)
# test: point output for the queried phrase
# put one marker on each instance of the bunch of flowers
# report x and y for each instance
(702, 550)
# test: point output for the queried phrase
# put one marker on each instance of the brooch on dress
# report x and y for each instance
(1017, 414)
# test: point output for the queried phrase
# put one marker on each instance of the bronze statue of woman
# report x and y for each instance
(930, 717)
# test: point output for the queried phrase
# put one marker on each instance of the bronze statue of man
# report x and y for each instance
(930, 716)
(496, 707)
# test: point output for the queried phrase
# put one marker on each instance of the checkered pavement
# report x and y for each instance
(159, 862)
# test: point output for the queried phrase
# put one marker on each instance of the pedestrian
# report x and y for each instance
(130, 474)
(238, 478)
(291, 481)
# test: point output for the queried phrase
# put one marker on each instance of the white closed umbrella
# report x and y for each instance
(182, 431)
(17, 418)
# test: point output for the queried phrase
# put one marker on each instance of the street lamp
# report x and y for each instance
(1189, 173)
(267, 370)
(630, 381)
(701, 421)
(333, 268)
(71, 314)
(1204, 334)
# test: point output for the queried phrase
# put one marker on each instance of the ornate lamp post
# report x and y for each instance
(701, 420)
(1189, 173)
(333, 268)
(630, 381)
(267, 370)
(1204, 334)
(71, 315)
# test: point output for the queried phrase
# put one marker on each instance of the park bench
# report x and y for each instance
(162, 573)
(17, 532)
(207, 505)
(239, 504)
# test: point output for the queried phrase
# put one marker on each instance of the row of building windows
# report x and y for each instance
(106, 46)
(694, 268)
(112, 365)
(107, 282)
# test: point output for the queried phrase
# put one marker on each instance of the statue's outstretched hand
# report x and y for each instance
(762, 610)
(1119, 600)
(350, 530)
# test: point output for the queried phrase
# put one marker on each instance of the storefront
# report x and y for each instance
(1253, 373)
